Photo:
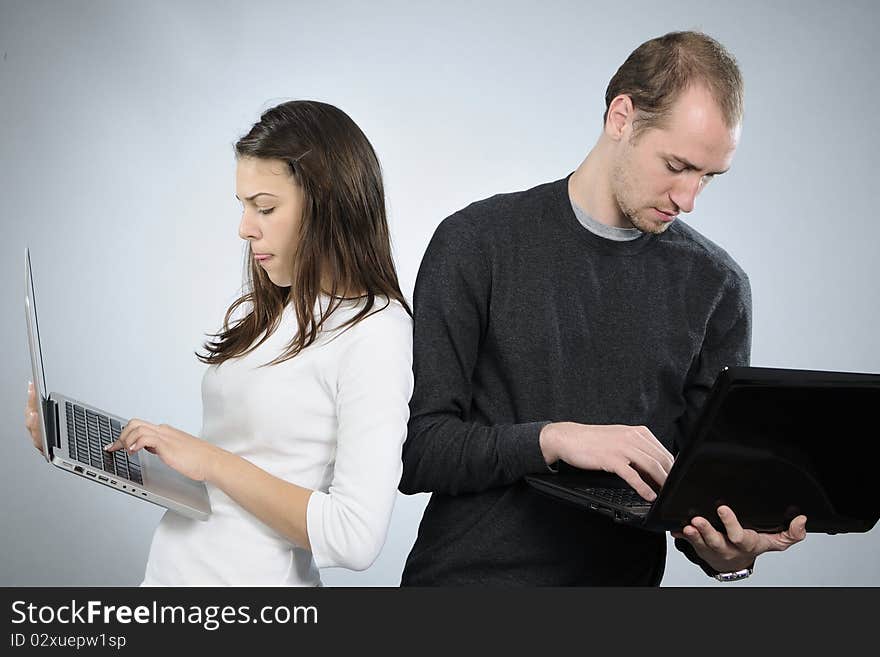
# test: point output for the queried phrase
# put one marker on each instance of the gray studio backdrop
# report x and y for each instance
(116, 127)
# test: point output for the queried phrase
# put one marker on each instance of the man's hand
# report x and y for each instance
(740, 547)
(632, 453)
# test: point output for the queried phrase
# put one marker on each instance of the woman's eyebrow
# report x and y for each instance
(251, 198)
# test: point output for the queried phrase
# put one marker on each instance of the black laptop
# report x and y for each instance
(769, 443)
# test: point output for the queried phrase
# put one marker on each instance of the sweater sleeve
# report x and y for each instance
(727, 343)
(347, 525)
(445, 452)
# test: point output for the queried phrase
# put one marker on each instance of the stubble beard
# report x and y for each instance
(623, 189)
(653, 226)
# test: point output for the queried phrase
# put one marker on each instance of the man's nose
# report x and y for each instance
(684, 194)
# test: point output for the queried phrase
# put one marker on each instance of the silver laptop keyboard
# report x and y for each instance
(87, 434)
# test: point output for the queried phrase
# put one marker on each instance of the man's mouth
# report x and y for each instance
(665, 216)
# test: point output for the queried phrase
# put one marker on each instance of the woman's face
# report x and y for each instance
(272, 209)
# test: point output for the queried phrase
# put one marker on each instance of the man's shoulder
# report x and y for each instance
(536, 197)
(499, 210)
(684, 237)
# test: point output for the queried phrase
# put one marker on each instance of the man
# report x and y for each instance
(581, 321)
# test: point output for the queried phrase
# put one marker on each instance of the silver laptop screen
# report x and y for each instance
(37, 372)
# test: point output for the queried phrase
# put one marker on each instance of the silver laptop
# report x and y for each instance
(75, 433)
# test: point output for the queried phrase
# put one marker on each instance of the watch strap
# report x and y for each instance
(735, 575)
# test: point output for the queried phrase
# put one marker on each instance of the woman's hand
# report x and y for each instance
(190, 456)
(32, 420)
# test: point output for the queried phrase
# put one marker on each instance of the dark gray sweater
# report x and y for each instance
(524, 317)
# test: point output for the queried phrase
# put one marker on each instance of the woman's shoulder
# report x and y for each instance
(384, 335)
(357, 317)
(386, 317)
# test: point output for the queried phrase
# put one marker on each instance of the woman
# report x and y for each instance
(306, 397)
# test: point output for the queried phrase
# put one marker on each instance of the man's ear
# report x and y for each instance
(620, 117)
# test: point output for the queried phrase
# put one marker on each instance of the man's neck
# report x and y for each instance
(590, 189)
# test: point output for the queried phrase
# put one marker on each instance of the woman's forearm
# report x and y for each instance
(277, 503)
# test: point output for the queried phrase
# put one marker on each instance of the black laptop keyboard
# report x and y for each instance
(87, 434)
(620, 496)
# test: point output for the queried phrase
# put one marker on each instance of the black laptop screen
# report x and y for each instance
(806, 436)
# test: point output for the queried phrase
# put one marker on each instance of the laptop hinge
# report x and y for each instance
(50, 412)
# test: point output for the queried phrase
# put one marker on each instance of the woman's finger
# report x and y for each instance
(148, 440)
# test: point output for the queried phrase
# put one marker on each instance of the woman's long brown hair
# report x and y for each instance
(343, 236)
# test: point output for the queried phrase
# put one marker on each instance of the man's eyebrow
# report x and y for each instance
(251, 198)
(694, 167)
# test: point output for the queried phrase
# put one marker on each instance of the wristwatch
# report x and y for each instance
(734, 575)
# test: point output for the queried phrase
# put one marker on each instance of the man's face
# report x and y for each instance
(663, 171)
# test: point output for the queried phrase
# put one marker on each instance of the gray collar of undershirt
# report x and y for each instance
(600, 229)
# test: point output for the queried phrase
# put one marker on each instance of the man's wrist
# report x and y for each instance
(547, 443)
(735, 575)
(688, 550)
(730, 567)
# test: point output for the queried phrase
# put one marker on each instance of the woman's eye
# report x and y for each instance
(673, 169)
(265, 210)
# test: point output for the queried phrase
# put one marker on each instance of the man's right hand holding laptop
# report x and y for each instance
(737, 548)
(636, 456)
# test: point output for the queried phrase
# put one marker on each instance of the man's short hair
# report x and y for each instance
(658, 71)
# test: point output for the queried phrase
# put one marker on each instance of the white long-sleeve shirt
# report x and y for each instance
(332, 419)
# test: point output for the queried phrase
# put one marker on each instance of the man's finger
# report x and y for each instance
(647, 466)
(630, 476)
(694, 537)
(797, 530)
(656, 447)
(735, 532)
(711, 537)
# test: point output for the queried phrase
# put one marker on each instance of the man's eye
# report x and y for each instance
(265, 210)
(673, 169)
